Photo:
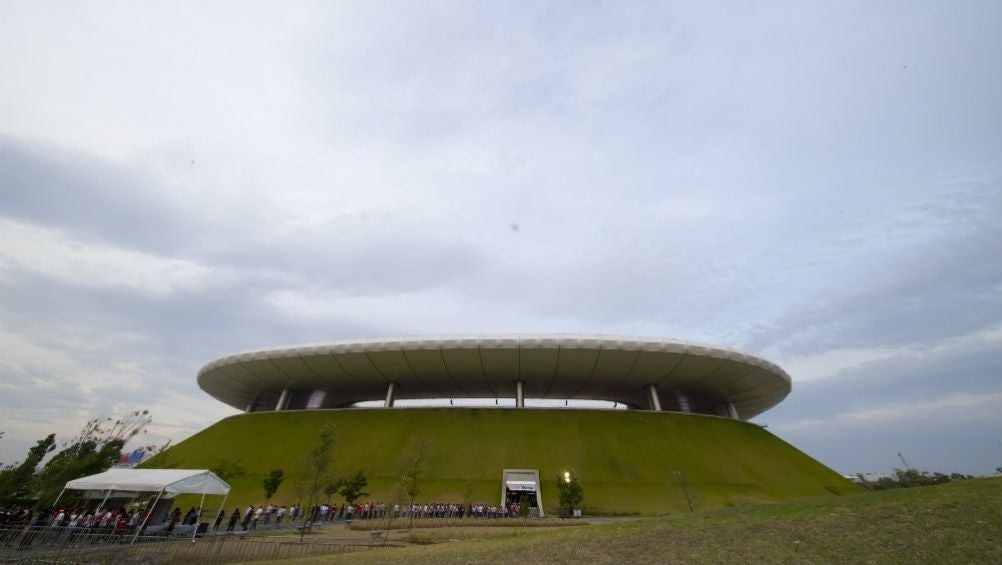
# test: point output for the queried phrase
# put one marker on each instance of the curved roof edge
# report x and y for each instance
(498, 340)
(589, 366)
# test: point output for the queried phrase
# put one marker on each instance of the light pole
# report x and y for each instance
(567, 490)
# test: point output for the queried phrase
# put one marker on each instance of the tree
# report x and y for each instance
(318, 465)
(682, 479)
(914, 478)
(570, 491)
(350, 489)
(98, 446)
(907, 478)
(227, 470)
(412, 473)
(523, 506)
(78, 460)
(15, 480)
(272, 483)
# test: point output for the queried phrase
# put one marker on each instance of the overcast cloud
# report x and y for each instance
(816, 183)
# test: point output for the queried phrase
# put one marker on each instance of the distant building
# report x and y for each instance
(861, 478)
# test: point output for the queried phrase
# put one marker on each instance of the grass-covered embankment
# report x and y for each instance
(957, 523)
(626, 461)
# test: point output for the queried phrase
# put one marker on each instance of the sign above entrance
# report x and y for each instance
(528, 486)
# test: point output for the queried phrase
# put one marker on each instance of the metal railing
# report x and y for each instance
(79, 545)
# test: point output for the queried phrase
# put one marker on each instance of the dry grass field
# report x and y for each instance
(957, 523)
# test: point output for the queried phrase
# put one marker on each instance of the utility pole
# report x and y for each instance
(902, 458)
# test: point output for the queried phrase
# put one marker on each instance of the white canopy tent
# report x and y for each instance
(160, 481)
(167, 481)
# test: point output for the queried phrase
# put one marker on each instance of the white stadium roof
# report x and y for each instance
(558, 366)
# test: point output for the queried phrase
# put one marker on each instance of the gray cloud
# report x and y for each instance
(949, 286)
(101, 200)
(923, 401)
(818, 184)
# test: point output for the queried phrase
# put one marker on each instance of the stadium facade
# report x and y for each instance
(640, 373)
(688, 407)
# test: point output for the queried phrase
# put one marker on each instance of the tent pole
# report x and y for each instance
(58, 497)
(101, 507)
(148, 514)
(132, 501)
(223, 505)
(198, 516)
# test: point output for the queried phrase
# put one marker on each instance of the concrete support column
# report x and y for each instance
(390, 392)
(682, 399)
(519, 395)
(283, 400)
(732, 411)
(655, 400)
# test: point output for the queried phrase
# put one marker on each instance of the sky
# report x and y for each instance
(817, 183)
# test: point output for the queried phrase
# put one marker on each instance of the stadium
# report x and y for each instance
(646, 413)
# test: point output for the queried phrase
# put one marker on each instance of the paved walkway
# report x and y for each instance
(609, 519)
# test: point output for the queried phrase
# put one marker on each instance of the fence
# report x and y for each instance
(79, 546)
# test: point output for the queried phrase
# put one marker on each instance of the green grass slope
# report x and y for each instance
(960, 522)
(626, 461)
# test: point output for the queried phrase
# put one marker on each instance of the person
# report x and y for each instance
(174, 518)
(58, 520)
(279, 515)
(247, 518)
(219, 520)
(267, 514)
(234, 518)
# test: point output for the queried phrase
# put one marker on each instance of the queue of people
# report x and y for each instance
(265, 517)
(109, 520)
(274, 517)
(75, 523)
(376, 510)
